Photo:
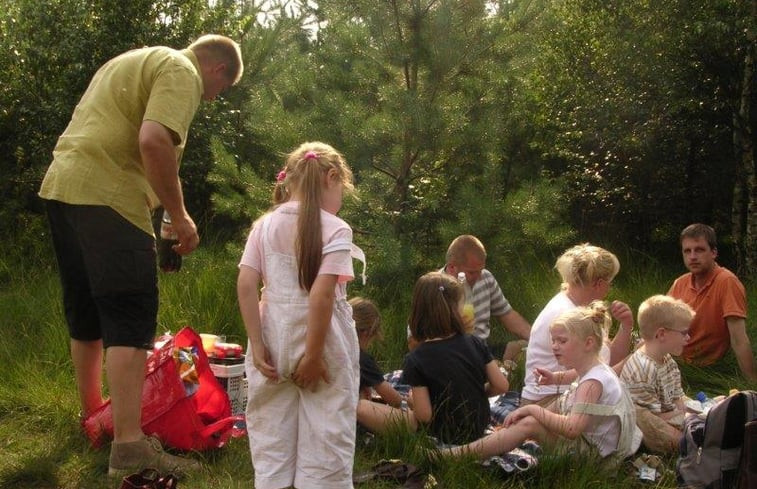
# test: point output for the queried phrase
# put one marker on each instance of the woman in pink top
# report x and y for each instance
(302, 361)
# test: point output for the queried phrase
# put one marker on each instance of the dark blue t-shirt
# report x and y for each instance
(454, 371)
(370, 373)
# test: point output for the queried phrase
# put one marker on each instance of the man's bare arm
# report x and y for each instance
(741, 346)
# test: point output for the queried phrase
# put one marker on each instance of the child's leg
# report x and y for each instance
(326, 437)
(658, 435)
(504, 440)
(547, 402)
(379, 417)
(327, 417)
(272, 422)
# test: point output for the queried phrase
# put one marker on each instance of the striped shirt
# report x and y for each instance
(488, 300)
(654, 386)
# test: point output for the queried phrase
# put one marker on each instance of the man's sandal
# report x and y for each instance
(393, 470)
(149, 479)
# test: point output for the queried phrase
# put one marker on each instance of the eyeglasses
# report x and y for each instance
(682, 332)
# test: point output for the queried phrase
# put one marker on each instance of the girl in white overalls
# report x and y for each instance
(302, 356)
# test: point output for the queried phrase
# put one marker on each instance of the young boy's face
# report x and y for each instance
(676, 337)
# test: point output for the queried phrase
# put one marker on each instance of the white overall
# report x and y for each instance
(298, 437)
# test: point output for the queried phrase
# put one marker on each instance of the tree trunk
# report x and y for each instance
(744, 209)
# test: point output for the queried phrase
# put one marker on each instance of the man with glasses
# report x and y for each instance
(719, 300)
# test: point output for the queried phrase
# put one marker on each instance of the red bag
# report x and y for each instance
(199, 421)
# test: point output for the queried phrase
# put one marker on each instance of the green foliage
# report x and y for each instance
(433, 103)
(239, 196)
(208, 301)
(634, 104)
(400, 94)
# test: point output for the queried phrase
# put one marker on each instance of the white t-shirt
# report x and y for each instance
(539, 351)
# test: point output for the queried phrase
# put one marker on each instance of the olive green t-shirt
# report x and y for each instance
(96, 160)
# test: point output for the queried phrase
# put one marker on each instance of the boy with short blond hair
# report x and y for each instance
(652, 376)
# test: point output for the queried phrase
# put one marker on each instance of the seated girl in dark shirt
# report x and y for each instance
(452, 374)
(368, 326)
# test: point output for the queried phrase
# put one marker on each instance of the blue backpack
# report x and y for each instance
(710, 447)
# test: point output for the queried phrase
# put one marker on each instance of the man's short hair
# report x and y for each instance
(698, 230)
(662, 311)
(462, 246)
(220, 49)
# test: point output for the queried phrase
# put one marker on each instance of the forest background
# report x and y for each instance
(533, 124)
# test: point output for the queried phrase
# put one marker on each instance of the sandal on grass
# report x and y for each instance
(141, 480)
(393, 470)
(149, 479)
(168, 481)
(421, 480)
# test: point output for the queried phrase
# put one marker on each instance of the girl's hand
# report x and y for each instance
(516, 416)
(310, 370)
(261, 360)
(545, 376)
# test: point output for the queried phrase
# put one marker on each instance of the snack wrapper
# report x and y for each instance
(185, 358)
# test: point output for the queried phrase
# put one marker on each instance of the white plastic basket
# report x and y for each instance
(232, 379)
(227, 371)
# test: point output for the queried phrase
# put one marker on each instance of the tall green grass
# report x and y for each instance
(41, 445)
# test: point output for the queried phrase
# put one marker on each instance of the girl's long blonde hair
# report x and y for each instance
(303, 174)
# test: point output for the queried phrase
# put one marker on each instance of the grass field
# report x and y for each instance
(41, 445)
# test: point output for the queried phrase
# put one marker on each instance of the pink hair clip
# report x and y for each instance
(281, 176)
(310, 155)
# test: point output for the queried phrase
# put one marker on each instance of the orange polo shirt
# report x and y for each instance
(722, 296)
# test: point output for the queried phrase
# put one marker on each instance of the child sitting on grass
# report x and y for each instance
(652, 375)
(368, 326)
(451, 373)
(595, 415)
(587, 272)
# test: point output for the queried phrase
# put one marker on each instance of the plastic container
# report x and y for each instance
(208, 342)
(168, 259)
(226, 350)
(468, 313)
(707, 403)
(230, 374)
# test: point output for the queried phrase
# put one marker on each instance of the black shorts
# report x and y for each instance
(108, 275)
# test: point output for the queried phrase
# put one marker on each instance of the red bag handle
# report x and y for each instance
(224, 427)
